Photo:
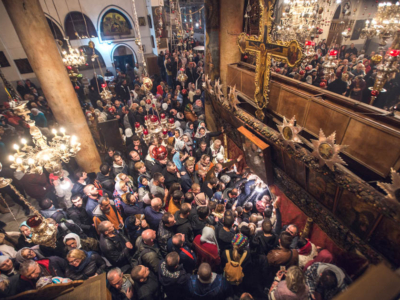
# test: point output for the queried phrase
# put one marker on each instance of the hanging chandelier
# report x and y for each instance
(74, 57)
(385, 24)
(301, 20)
(43, 154)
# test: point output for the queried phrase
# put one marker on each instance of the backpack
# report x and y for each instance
(233, 270)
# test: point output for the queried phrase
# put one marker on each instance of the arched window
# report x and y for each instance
(89, 61)
(115, 25)
(337, 13)
(57, 34)
(75, 26)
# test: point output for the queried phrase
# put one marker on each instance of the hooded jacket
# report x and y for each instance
(218, 289)
(172, 282)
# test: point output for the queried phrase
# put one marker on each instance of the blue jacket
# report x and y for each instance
(189, 263)
(153, 218)
(218, 289)
(90, 206)
(40, 119)
(129, 210)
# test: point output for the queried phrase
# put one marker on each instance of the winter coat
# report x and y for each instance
(153, 218)
(263, 244)
(188, 179)
(173, 282)
(107, 182)
(80, 217)
(35, 185)
(183, 226)
(150, 255)
(187, 257)
(115, 250)
(218, 289)
(93, 264)
(206, 253)
(148, 290)
(129, 209)
(78, 187)
(164, 233)
(170, 178)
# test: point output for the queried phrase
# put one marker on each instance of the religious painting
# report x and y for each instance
(293, 53)
(359, 216)
(23, 65)
(360, 25)
(322, 187)
(3, 60)
(142, 21)
(114, 23)
(386, 239)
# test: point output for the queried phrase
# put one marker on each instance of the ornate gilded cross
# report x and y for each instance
(287, 52)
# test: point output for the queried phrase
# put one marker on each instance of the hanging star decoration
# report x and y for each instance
(232, 98)
(208, 86)
(392, 189)
(289, 132)
(326, 151)
(218, 90)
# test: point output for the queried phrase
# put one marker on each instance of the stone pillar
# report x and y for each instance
(34, 33)
(231, 25)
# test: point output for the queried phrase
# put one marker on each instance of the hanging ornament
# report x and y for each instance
(326, 151)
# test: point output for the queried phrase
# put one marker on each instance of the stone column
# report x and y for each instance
(231, 25)
(34, 33)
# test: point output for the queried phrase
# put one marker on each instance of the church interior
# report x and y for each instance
(200, 149)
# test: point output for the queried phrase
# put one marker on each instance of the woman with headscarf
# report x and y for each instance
(84, 265)
(207, 249)
(24, 239)
(73, 241)
(7, 266)
(203, 134)
(189, 113)
(38, 117)
(28, 253)
(160, 91)
(144, 189)
(120, 188)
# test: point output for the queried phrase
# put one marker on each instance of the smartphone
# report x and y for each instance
(283, 268)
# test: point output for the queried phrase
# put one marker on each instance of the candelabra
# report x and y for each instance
(43, 233)
(330, 66)
(43, 154)
(384, 70)
(386, 23)
(74, 57)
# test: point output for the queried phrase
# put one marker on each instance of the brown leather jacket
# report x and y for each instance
(281, 257)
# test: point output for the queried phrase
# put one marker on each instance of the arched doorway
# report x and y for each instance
(123, 56)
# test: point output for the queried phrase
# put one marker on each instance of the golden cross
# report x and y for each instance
(287, 52)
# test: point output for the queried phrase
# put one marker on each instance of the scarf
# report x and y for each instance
(76, 238)
(20, 259)
(198, 135)
(24, 224)
(118, 190)
(84, 263)
(306, 249)
(208, 236)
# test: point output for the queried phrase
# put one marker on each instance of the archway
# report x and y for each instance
(123, 56)
(75, 27)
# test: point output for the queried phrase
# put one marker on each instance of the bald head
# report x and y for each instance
(156, 204)
(148, 236)
(205, 272)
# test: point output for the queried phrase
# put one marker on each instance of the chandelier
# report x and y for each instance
(386, 23)
(74, 57)
(301, 20)
(44, 154)
(157, 125)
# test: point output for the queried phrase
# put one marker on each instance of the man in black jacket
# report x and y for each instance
(81, 181)
(203, 149)
(134, 158)
(182, 223)
(171, 174)
(114, 245)
(338, 86)
(146, 283)
(123, 91)
(105, 178)
(189, 177)
(78, 214)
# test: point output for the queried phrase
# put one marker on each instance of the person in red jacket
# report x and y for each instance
(206, 248)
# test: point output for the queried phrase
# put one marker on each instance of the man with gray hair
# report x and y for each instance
(120, 285)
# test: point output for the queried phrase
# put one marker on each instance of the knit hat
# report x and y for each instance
(240, 240)
(3, 258)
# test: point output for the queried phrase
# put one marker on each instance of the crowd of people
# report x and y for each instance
(353, 77)
(170, 219)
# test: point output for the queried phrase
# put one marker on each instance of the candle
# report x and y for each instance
(16, 147)
(54, 132)
(62, 130)
(23, 141)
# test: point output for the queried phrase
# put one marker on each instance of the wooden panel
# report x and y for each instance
(292, 105)
(152, 66)
(371, 146)
(320, 116)
(322, 187)
(234, 78)
(274, 94)
(248, 85)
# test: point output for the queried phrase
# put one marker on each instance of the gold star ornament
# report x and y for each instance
(232, 98)
(218, 90)
(289, 132)
(326, 151)
(392, 189)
